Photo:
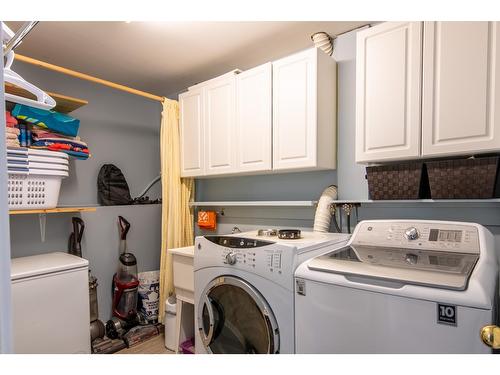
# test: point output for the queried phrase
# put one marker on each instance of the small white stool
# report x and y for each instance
(183, 283)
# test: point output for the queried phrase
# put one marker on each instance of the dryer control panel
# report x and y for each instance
(250, 254)
(437, 236)
(270, 260)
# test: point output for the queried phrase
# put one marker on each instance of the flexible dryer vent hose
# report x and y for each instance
(323, 214)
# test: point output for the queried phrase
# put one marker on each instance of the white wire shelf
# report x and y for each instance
(400, 201)
(255, 204)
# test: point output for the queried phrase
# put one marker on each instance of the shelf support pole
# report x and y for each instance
(43, 220)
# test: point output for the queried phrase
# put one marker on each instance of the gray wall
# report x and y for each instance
(349, 177)
(100, 241)
(297, 186)
(122, 129)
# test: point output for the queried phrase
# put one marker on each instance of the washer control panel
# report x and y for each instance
(428, 235)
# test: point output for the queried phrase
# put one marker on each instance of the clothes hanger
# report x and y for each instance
(11, 40)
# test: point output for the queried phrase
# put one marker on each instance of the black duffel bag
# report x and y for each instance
(112, 188)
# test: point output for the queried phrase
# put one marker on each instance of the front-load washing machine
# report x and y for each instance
(244, 290)
(401, 287)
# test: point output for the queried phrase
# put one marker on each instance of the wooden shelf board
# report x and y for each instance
(65, 104)
(53, 210)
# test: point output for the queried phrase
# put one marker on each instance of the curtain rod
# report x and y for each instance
(86, 77)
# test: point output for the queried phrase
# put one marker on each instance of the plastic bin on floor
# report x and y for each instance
(187, 347)
(169, 321)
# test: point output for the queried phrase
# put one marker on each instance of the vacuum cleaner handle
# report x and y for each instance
(124, 227)
(78, 228)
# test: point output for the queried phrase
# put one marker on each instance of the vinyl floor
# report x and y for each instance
(155, 345)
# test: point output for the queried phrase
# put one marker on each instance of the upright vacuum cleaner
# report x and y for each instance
(125, 288)
(97, 329)
(125, 321)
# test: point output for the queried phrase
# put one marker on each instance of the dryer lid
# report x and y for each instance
(440, 269)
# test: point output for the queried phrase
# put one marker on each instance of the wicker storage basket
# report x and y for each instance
(474, 178)
(398, 181)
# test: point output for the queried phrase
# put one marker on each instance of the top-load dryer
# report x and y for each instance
(244, 289)
(400, 287)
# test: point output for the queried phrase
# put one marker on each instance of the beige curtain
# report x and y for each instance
(177, 217)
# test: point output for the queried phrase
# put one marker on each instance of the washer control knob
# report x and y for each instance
(231, 258)
(411, 233)
(411, 258)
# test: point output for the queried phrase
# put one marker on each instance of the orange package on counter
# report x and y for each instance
(207, 220)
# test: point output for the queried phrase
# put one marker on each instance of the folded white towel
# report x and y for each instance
(12, 131)
(12, 143)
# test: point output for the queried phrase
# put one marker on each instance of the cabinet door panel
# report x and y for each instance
(220, 129)
(254, 118)
(294, 111)
(461, 91)
(388, 74)
(191, 130)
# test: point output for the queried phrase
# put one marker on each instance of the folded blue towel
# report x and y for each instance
(58, 122)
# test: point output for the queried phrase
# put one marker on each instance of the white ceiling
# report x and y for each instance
(164, 58)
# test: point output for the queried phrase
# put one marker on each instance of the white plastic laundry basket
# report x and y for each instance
(34, 190)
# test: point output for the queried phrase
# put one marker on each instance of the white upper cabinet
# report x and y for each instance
(254, 119)
(191, 130)
(220, 127)
(461, 88)
(388, 76)
(458, 87)
(277, 116)
(304, 111)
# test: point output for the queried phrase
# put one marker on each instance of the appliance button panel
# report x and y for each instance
(238, 242)
(242, 257)
(419, 235)
(274, 261)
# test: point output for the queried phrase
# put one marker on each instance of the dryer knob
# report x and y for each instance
(411, 233)
(231, 258)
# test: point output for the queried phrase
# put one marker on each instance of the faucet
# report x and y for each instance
(235, 230)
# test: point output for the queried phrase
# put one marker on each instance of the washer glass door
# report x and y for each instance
(234, 318)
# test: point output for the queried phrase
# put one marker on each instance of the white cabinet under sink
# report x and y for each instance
(278, 116)
(427, 89)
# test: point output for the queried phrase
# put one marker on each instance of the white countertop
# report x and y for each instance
(187, 251)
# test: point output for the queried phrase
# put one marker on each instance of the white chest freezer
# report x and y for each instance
(50, 302)
(400, 287)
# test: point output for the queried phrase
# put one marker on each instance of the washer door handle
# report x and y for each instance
(207, 338)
